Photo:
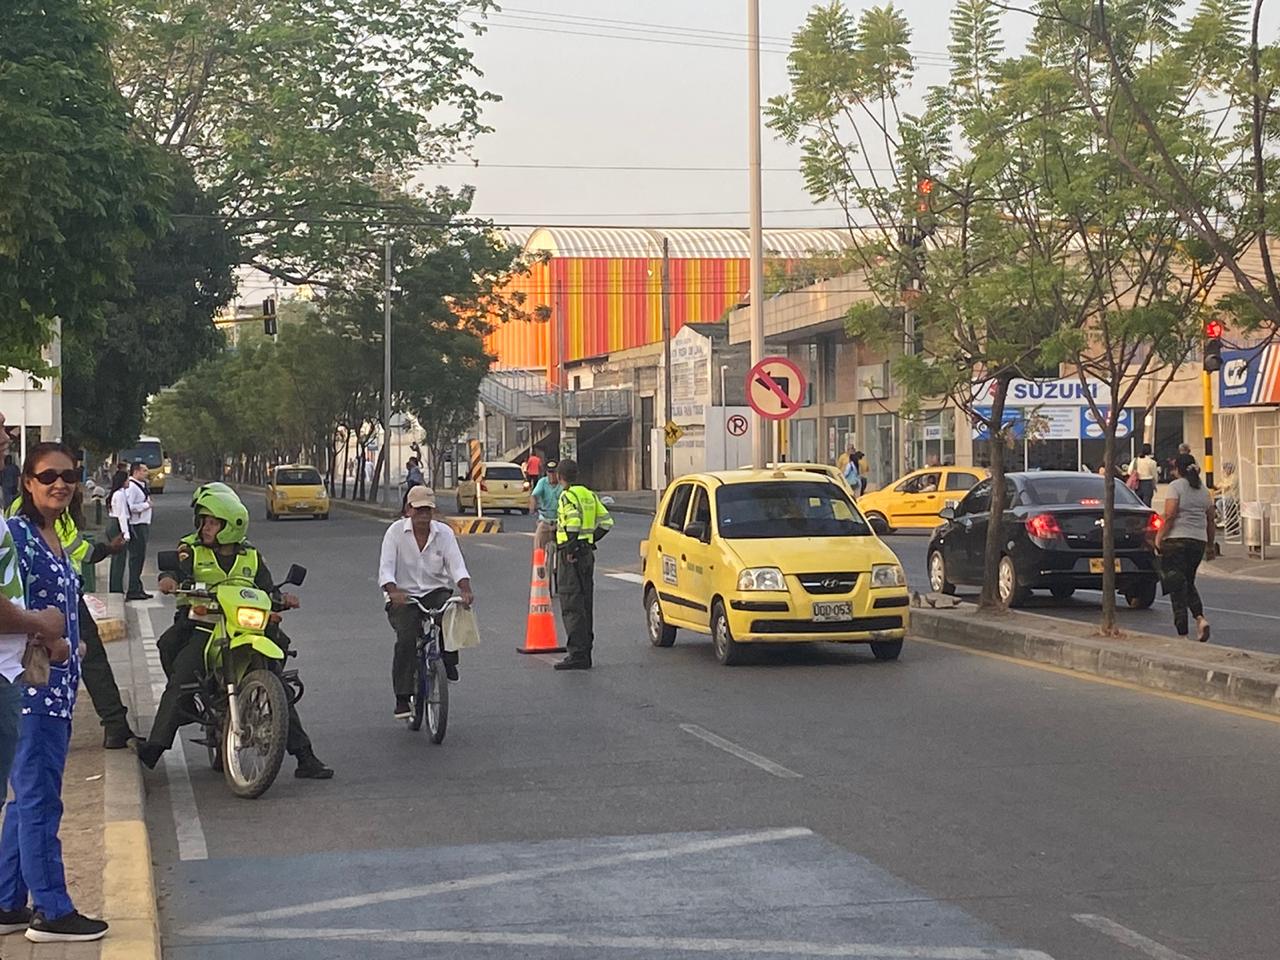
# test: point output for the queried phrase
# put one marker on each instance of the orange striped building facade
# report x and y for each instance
(603, 287)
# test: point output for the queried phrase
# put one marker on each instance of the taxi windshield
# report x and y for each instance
(757, 511)
(297, 478)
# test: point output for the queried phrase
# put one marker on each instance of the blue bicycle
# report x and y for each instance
(430, 684)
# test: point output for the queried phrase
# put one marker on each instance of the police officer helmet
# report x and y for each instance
(219, 500)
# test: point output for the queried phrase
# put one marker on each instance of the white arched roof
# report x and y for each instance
(685, 243)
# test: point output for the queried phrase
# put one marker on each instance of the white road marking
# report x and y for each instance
(667, 945)
(742, 753)
(484, 545)
(182, 799)
(626, 577)
(1130, 938)
(218, 928)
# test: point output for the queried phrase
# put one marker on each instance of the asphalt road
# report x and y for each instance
(1243, 613)
(949, 806)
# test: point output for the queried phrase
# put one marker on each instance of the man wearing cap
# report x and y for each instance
(421, 559)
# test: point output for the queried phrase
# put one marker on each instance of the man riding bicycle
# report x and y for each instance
(420, 559)
(545, 502)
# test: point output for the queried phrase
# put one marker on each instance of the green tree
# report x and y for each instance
(299, 117)
(153, 331)
(80, 194)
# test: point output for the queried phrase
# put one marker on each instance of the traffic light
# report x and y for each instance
(269, 325)
(924, 219)
(1212, 346)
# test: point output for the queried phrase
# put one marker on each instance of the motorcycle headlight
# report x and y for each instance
(888, 575)
(761, 578)
(251, 618)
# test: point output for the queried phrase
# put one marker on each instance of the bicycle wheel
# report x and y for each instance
(437, 700)
(420, 686)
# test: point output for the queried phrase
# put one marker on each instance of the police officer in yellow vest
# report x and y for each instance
(216, 550)
(581, 522)
(95, 668)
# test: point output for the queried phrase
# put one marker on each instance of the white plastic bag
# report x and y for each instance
(460, 628)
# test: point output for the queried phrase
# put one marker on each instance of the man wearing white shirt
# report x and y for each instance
(420, 558)
(138, 500)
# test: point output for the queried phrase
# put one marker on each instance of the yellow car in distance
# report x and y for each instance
(296, 490)
(914, 501)
(770, 556)
(503, 486)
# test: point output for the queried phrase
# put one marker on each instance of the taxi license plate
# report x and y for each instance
(1095, 565)
(833, 611)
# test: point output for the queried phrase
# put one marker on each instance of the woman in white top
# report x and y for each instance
(1148, 471)
(118, 526)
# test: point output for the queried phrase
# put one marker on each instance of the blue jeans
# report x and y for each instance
(30, 851)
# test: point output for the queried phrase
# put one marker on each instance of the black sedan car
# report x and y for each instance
(1052, 539)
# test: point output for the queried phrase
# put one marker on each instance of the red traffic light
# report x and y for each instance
(1213, 329)
(925, 186)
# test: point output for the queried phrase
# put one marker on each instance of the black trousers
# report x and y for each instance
(118, 560)
(1179, 560)
(139, 534)
(577, 590)
(99, 679)
(182, 656)
(407, 623)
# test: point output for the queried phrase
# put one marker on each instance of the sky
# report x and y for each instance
(647, 83)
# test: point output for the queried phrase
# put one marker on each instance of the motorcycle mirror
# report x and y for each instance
(167, 560)
(296, 575)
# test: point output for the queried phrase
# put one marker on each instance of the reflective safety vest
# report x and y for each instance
(581, 512)
(73, 545)
(206, 569)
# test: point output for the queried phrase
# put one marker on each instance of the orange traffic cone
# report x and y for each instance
(540, 634)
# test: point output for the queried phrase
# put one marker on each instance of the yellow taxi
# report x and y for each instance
(834, 474)
(770, 556)
(503, 486)
(915, 500)
(296, 490)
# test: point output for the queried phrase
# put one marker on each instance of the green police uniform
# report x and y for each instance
(95, 668)
(581, 521)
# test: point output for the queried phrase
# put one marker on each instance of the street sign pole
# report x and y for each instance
(759, 438)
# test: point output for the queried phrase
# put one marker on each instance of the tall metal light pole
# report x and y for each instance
(759, 442)
(667, 453)
(386, 372)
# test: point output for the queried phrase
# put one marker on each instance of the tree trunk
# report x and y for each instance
(346, 462)
(1108, 525)
(378, 467)
(990, 598)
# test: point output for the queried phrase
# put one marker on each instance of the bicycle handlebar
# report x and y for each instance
(452, 601)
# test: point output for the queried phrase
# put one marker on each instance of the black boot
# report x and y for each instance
(148, 752)
(117, 738)
(311, 767)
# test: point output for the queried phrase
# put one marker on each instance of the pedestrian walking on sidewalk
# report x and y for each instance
(30, 851)
(118, 526)
(582, 522)
(1148, 471)
(138, 498)
(1185, 539)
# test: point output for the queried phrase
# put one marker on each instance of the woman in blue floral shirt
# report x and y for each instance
(30, 851)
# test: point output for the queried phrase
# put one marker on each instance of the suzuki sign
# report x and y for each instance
(1064, 392)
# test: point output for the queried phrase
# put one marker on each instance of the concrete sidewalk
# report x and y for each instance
(1236, 563)
(641, 502)
(104, 837)
(1226, 675)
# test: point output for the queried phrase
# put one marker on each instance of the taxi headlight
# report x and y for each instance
(888, 575)
(251, 618)
(761, 578)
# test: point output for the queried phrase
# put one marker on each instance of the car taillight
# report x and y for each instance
(1044, 526)
(1154, 523)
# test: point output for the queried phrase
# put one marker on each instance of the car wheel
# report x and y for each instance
(1143, 598)
(879, 523)
(1062, 592)
(886, 649)
(938, 581)
(1012, 592)
(660, 635)
(324, 516)
(728, 651)
(270, 515)
(458, 501)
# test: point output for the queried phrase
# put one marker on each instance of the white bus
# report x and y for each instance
(148, 450)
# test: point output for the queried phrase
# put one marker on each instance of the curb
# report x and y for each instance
(128, 875)
(637, 511)
(1222, 675)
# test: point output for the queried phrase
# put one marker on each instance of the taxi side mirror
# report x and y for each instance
(948, 512)
(697, 530)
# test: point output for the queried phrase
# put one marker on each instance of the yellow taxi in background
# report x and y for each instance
(503, 486)
(914, 501)
(770, 556)
(296, 490)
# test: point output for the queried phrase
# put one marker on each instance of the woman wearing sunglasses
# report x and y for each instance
(30, 851)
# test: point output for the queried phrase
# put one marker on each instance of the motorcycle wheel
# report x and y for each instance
(253, 759)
